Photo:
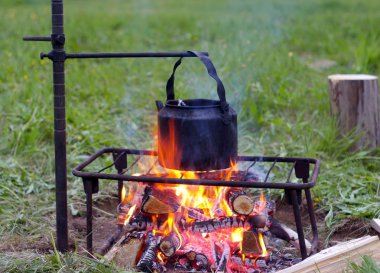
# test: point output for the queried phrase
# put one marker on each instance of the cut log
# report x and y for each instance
(159, 201)
(170, 244)
(354, 101)
(239, 202)
(145, 264)
(127, 251)
(336, 258)
(250, 243)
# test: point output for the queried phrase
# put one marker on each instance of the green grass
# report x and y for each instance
(368, 265)
(263, 51)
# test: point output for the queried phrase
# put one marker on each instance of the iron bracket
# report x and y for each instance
(54, 55)
(91, 184)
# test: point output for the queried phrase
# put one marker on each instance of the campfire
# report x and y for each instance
(190, 227)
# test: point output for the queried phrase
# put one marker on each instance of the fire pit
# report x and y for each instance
(208, 215)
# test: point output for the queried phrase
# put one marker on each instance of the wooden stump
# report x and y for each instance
(354, 101)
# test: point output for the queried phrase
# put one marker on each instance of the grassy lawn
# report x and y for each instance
(273, 57)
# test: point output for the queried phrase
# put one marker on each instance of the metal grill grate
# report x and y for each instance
(253, 171)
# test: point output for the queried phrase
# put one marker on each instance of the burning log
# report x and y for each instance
(224, 258)
(253, 221)
(149, 255)
(158, 268)
(287, 234)
(216, 210)
(159, 201)
(194, 213)
(198, 261)
(140, 222)
(256, 221)
(170, 244)
(239, 202)
(125, 213)
(214, 252)
(126, 252)
(250, 243)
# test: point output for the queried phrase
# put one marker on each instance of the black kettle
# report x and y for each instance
(196, 134)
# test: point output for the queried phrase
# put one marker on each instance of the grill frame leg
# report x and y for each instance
(91, 186)
(313, 222)
(298, 220)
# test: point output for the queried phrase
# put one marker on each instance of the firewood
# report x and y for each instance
(217, 224)
(287, 234)
(145, 264)
(214, 253)
(250, 243)
(170, 244)
(139, 222)
(224, 258)
(123, 211)
(253, 221)
(239, 202)
(159, 201)
(126, 252)
(198, 261)
(193, 213)
(216, 210)
(256, 221)
(158, 268)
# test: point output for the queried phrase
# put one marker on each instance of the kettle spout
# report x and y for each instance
(159, 105)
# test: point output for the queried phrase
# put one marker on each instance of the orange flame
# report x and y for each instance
(237, 235)
(130, 214)
(123, 194)
(261, 205)
(264, 251)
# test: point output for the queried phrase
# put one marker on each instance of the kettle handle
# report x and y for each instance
(213, 74)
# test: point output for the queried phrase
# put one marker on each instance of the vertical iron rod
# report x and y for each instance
(88, 190)
(120, 190)
(313, 222)
(297, 217)
(58, 41)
